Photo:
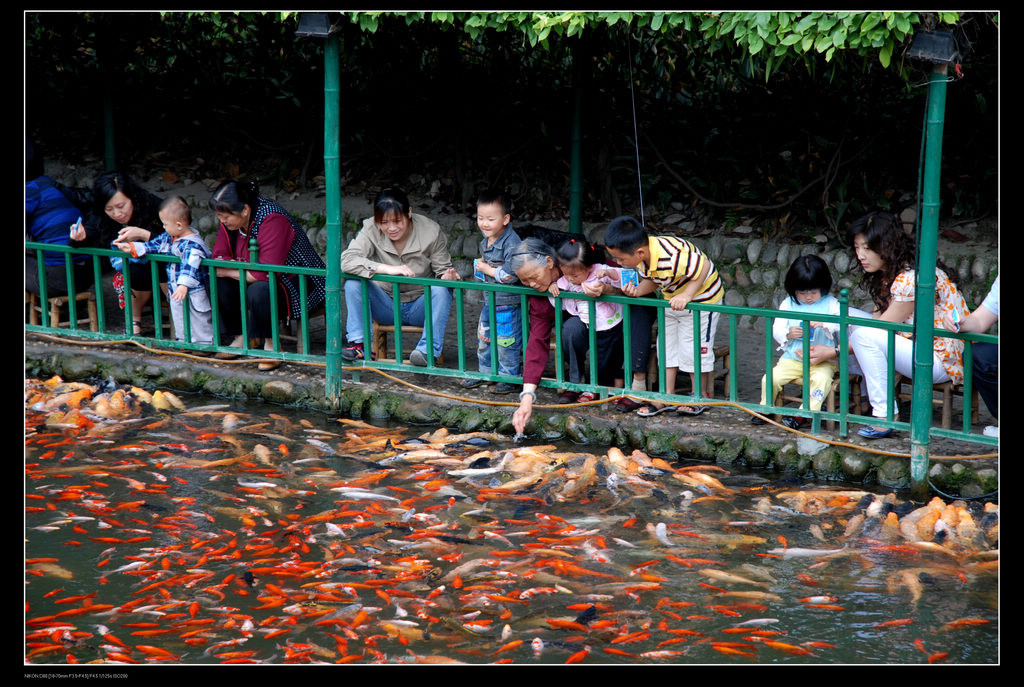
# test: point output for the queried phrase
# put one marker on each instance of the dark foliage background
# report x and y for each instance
(425, 105)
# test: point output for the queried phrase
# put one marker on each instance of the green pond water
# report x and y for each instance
(258, 534)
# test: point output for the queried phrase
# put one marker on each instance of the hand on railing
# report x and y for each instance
(680, 301)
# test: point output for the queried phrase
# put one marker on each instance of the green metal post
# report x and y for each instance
(332, 173)
(924, 301)
(576, 164)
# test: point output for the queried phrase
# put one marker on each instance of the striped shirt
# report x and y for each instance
(674, 263)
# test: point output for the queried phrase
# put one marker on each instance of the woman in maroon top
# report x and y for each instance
(244, 214)
(535, 262)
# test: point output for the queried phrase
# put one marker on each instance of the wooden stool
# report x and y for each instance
(293, 328)
(948, 391)
(722, 353)
(380, 340)
(55, 305)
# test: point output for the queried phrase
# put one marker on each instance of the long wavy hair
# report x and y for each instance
(883, 233)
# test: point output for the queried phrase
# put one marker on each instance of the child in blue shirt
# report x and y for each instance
(808, 283)
(497, 246)
(184, 280)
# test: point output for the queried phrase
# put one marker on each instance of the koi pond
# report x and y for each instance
(167, 530)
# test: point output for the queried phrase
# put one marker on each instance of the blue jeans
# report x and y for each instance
(510, 340)
(381, 311)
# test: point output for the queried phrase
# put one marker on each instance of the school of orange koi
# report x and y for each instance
(156, 533)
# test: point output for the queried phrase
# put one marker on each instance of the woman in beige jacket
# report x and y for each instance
(395, 241)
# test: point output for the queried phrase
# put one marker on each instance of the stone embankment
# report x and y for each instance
(722, 435)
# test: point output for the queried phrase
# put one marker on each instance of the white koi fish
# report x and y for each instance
(805, 553)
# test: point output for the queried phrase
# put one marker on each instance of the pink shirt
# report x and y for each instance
(608, 314)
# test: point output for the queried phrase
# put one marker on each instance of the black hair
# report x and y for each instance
(109, 183)
(495, 196)
(579, 251)
(808, 272)
(178, 207)
(232, 197)
(626, 234)
(145, 203)
(391, 201)
(883, 234)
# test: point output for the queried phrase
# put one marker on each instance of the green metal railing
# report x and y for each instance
(157, 262)
(842, 416)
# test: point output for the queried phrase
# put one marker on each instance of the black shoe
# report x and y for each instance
(793, 422)
(755, 420)
(353, 352)
(503, 388)
(471, 383)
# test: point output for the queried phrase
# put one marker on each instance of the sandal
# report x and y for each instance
(624, 404)
(586, 397)
(690, 410)
(136, 328)
(650, 410)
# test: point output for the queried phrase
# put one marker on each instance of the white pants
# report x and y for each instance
(679, 339)
(870, 346)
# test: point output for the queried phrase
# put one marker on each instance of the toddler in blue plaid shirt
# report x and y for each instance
(184, 279)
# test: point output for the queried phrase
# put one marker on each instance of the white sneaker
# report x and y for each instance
(991, 431)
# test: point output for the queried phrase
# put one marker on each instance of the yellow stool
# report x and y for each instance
(58, 302)
(380, 340)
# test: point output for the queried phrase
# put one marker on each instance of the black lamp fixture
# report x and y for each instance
(314, 25)
(937, 47)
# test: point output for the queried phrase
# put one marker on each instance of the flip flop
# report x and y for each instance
(690, 410)
(648, 410)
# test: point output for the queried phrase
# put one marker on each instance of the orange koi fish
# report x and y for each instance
(894, 623)
(579, 655)
(788, 648)
(962, 622)
(733, 651)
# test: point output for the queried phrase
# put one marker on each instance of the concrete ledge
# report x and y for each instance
(722, 435)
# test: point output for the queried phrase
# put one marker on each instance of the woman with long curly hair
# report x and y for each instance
(888, 257)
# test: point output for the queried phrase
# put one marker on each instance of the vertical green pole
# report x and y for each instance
(332, 173)
(924, 302)
(576, 165)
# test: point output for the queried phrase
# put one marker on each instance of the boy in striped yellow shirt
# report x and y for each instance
(684, 274)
